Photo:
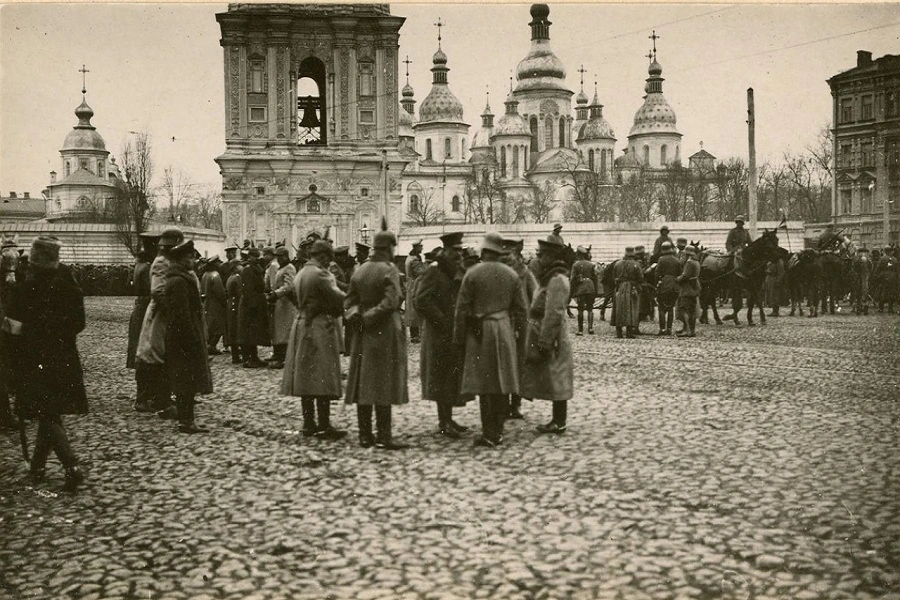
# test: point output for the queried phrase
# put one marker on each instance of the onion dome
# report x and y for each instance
(512, 122)
(84, 136)
(440, 104)
(408, 91)
(596, 128)
(541, 69)
(655, 116)
(404, 123)
(581, 98)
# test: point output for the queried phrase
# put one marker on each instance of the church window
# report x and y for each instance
(603, 159)
(846, 110)
(58, 205)
(366, 79)
(257, 114)
(591, 160)
(662, 154)
(312, 106)
(68, 168)
(677, 153)
(447, 151)
(562, 132)
(866, 109)
(534, 133)
(84, 164)
(503, 161)
(414, 204)
(366, 116)
(101, 169)
(364, 191)
(548, 133)
(462, 149)
(515, 161)
(524, 158)
(257, 70)
(647, 155)
(428, 149)
(260, 190)
(455, 204)
(313, 206)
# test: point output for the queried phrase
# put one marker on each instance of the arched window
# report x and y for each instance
(515, 165)
(428, 149)
(662, 155)
(562, 132)
(548, 133)
(591, 160)
(534, 133)
(503, 161)
(647, 155)
(101, 169)
(455, 204)
(603, 159)
(447, 152)
(677, 153)
(525, 164)
(257, 71)
(311, 104)
(68, 168)
(462, 149)
(413, 204)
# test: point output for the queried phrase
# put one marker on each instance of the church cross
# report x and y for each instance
(649, 56)
(407, 61)
(654, 37)
(582, 70)
(439, 25)
(84, 71)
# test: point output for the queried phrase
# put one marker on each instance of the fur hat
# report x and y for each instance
(45, 252)
(629, 252)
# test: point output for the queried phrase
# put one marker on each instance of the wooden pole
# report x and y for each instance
(751, 132)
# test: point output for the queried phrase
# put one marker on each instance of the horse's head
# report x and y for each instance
(9, 261)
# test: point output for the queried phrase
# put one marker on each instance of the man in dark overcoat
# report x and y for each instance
(232, 307)
(490, 313)
(253, 325)
(441, 363)
(312, 370)
(584, 286)
(657, 245)
(413, 267)
(514, 259)
(212, 291)
(645, 306)
(377, 378)
(668, 268)
(628, 277)
(689, 289)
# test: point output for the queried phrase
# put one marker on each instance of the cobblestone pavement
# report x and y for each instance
(747, 463)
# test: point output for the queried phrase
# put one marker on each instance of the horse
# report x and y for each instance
(833, 280)
(861, 269)
(803, 277)
(739, 271)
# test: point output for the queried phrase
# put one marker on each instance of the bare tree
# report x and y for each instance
(677, 184)
(427, 210)
(133, 204)
(209, 209)
(637, 197)
(542, 205)
(176, 188)
(591, 197)
(731, 189)
(485, 199)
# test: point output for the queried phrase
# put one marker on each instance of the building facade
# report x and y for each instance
(866, 135)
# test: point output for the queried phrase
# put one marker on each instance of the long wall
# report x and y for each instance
(607, 240)
(92, 243)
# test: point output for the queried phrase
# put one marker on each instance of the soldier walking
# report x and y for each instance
(628, 276)
(377, 378)
(253, 327)
(490, 311)
(140, 281)
(689, 289)
(441, 361)
(313, 367)
(284, 313)
(668, 268)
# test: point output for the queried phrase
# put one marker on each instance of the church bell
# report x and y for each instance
(310, 107)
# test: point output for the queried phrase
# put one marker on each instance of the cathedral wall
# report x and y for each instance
(654, 144)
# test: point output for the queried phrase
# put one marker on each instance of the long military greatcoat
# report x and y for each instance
(549, 375)
(140, 279)
(629, 277)
(253, 318)
(151, 347)
(232, 305)
(667, 271)
(490, 310)
(441, 362)
(214, 303)
(583, 280)
(414, 269)
(285, 312)
(313, 365)
(186, 360)
(378, 352)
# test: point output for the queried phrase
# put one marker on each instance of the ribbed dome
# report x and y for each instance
(596, 129)
(655, 116)
(541, 69)
(655, 69)
(84, 136)
(440, 105)
(439, 57)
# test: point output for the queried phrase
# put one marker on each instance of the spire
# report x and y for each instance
(487, 117)
(439, 25)
(654, 37)
(407, 101)
(596, 107)
(439, 59)
(540, 25)
(512, 105)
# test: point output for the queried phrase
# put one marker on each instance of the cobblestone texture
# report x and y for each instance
(747, 463)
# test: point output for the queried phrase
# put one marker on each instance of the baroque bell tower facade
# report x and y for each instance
(311, 121)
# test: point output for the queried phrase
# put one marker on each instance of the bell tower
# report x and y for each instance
(311, 98)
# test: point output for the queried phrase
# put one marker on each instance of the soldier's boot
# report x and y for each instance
(308, 408)
(186, 421)
(580, 322)
(630, 332)
(515, 407)
(42, 447)
(325, 429)
(59, 442)
(618, 331)
(445, 421)
(591, 321)
(364, 422)
(692, 325)
(235, 354)
(384, 439)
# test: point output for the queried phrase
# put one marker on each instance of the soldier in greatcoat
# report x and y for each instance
(584, 288)
(313, 367)
(441, 363)
(514, 259)
(140, 283)
(490, 313)
(668, 268)
(285, 312)
(212, 292)
(689, 289)
(657, 245)
(362, 255)
(549, 372)
(150, 359)
(339, 267)
(253, 322)
(377, 378)
(414, 266)
(232, 306)
(645, 290)
(628, 276)
(270, 266)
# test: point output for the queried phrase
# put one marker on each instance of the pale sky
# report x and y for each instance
(158, 68)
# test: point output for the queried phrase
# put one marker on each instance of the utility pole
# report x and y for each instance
(384, 168)
(751, 132)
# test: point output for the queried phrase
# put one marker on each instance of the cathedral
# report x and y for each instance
(320, 136)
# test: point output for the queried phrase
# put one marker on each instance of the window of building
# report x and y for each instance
(257, 114)
(865, 204)
(562, 132)
(364, 191)
(312, 106)
(84, 164)
(447, 152)
(462, 149)
(533, 124)
(662, 154)
(846, 202)
(892, 104)
(428, 149)
(548, 133)
(68, 168)
(313, 206)
(846, 157)
(866, 108)
(414, 204)
(257, 79)
(58, 205)
(515, 161)
(647, 155)
(503, 161)
(603, 154)
(101, 169)
(455, 204)
(591, 160)
(866, 155)
(366, 116)
(260, 190)
(846, 110)
(366, 79)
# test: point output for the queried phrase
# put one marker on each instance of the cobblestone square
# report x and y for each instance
(746, 463)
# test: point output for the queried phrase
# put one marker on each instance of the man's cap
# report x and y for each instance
(557, 227)
(321, 247)
(231, 247)
(185, 248)
(690, 250)
(510, 244)
(863, 249)
(282, 251)
(253, 252)
(493, 242)
(433, 254)
(666, 247)
(639, 249)
(150, 236)
(582, 250)
(384, 239)
(342, 250)
(362, 247)
(45, 251)
(664, 228)
(454, 239)
(629, 251)
(214, 258)
(269, 250)
(681, 241)
(740, 219)
(171, 237)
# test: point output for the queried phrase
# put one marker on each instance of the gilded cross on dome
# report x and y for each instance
(407, 61)
(582, 70)
(439, 24)
(84, 71)
(654, 37)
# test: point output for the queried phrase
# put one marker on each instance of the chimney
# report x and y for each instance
(27, 195)
(12, 194)
(52, 176)
(863, 58)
